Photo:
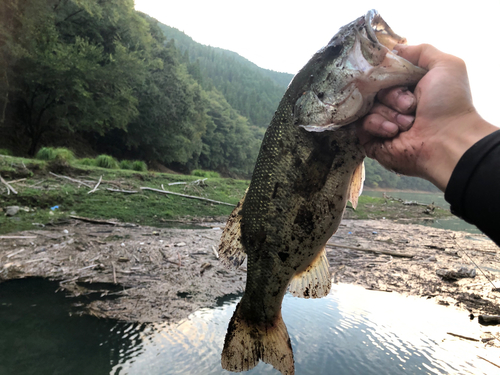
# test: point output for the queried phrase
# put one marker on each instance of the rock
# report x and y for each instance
(11, 210)
(455, 275)
(180, 244)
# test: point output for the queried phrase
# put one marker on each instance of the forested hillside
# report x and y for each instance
(253, 91)
(99, 77)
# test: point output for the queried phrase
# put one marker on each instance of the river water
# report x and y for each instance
(452, 223)
(351, 331)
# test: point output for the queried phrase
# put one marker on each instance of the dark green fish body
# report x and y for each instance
(309, 165)
(294, 203)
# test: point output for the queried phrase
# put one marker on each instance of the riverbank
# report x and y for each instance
(146, 274)
(52, 192)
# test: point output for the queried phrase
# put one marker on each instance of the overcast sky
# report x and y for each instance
(282, 35)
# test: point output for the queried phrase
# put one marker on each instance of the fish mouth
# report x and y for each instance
(379, 31)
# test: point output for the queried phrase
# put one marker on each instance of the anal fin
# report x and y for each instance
(315, 281)
(231, 251)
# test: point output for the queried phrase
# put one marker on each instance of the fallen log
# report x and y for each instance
(187, 196)
(385, 252)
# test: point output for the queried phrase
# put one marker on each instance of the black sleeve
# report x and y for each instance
(474, 187)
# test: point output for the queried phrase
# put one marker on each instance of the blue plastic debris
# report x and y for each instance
(349, 233)
(54, 208)
(374, 232)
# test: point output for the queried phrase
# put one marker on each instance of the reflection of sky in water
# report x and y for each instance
(352, 331)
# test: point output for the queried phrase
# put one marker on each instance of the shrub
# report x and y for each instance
(62, 153)
(86, 161)
(139, 166)
(4, 151)
(106, 161)
(50, 153)
(125, 164)
(46, 153)
(207, 174)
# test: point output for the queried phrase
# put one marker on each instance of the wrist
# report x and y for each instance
(447, 147)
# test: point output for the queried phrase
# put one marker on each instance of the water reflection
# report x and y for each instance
(352, 331)
(42, 333)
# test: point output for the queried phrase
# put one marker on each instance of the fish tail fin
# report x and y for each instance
(246, 343)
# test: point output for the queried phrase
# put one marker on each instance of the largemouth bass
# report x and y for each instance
(310, 163)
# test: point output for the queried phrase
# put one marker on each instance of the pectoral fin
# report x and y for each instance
(314, 281)
(356, 185)
(231, 251)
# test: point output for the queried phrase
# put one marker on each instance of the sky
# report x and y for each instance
(283, 35)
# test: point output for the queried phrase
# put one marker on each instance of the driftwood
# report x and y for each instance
(385, 252)
(72, 180)
(16, 181)
(187, 196)
(462, 337)
(114, 272)
(16, 237)
(96, 221)
(14, 253)
(484, 359)
(123, 191)
(9, 188)
(177, 183)
(96, 186)
(489, 320)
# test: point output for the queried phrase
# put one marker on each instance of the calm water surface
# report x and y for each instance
(352, 331)
(452, 223)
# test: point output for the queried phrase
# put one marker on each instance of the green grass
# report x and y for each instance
(125, 164)
(205, 174)
(43, 191)
(86, 161)
(136, 165)
(106, 161)
(139, 166)
(50, 153)
(40, 191)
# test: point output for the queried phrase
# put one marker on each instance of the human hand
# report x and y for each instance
(446, 122)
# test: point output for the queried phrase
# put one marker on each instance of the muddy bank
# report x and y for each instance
(166, 274)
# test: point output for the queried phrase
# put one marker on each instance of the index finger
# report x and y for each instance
(423, 55)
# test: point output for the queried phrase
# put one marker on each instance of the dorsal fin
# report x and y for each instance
(356, 184)
(315, 281)
(231, 251)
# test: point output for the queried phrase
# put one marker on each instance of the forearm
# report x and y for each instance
(474, 186)
(446, 148)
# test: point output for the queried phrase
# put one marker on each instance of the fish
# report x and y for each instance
(309, 165)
